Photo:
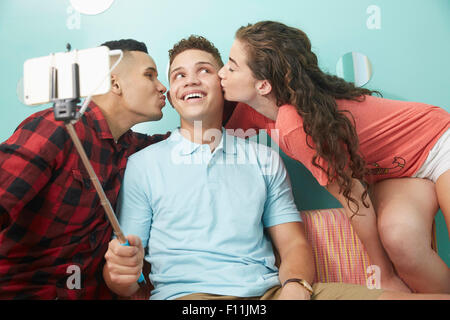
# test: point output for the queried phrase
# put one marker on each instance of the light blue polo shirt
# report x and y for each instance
(202, 214)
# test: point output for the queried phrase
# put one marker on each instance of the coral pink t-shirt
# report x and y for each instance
(395, 137)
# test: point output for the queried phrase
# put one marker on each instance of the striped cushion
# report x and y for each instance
(339, 255)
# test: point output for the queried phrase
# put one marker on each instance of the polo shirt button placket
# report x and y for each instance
(213, 183)
(206, 156)
(210, 162)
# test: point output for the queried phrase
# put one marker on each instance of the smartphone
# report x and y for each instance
(93, 65)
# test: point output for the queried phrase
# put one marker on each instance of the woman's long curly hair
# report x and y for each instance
(282, 55)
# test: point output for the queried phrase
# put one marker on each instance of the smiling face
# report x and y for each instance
(237, 79)
(195, 90)
(142, 92)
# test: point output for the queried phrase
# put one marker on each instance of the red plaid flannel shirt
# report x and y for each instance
(51, 220)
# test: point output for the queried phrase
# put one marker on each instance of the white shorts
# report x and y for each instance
(438, 160)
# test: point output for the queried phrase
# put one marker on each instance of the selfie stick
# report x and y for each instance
(65, 110)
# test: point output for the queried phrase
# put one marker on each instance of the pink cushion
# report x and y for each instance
(339, 255)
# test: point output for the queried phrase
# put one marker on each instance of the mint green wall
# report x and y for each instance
(409, 52)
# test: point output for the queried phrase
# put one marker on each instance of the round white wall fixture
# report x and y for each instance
(91, 7)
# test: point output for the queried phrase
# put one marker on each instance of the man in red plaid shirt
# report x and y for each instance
(52, 225)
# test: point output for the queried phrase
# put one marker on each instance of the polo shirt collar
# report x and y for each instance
(187, 147)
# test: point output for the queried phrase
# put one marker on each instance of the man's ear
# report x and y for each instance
(115, 86)
(263, 87)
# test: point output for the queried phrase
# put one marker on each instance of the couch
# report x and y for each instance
(339, 255)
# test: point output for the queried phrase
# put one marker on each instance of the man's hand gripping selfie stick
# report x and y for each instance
(65, 110)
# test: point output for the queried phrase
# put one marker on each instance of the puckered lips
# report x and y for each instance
(193, 96)
(163, 100)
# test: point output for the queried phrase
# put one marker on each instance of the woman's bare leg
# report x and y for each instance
(443, 195)
(391, 295)
(365, 226)
(406, 208)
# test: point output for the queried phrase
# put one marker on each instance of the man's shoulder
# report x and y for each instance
(141, 140)
(40, 128)
(36, 120)
(264, 156)
(246, 145)
(40, 138)
(155, 149)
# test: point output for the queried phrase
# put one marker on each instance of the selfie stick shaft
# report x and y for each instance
(64, 110)
(98, 187)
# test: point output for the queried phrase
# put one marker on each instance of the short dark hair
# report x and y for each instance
(195, 42)
(126, 45)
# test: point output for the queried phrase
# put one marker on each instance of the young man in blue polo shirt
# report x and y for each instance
(202, 201)
(206, 204)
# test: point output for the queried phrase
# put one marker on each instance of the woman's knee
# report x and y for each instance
(404, 241)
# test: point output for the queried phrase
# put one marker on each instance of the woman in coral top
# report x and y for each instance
(350, 141)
